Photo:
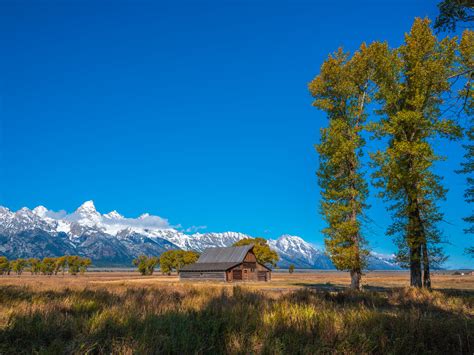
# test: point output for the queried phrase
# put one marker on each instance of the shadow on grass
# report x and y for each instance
(148, 321)
(327, 286)
(452, 292)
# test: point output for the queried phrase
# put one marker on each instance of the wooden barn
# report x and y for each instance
(227, 264)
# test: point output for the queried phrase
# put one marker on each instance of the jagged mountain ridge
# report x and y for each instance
(112, 239)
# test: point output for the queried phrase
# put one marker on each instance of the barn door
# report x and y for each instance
(237, 275)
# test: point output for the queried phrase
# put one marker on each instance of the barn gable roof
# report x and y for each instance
(220, 259)
(209, 266)
(224, 255)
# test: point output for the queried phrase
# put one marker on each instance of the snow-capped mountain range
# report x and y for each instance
(112, 239)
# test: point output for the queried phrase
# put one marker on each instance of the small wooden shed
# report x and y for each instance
(227, 264)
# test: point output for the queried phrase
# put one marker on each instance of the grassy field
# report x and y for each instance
(121, 312)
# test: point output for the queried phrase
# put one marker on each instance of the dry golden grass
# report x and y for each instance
(281, 281)
(124, 313)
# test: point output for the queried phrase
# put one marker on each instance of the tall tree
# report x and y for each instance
(453, 12)
(411, 83)
(467, 96)
(342, 91)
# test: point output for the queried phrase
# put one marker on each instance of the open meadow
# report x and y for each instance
(314, 312)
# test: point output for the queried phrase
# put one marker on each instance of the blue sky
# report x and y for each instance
(195, 111)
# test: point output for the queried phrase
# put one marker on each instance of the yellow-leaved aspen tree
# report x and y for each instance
(342, 91)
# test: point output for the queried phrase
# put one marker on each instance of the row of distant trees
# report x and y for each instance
(171, 260)
(71, 264)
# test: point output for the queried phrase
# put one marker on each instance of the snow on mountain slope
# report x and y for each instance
(114, 239)
(201, 241)
(379, 261)
(23, 219)
(86, 215)
(114, 215)
(294, 250)
(153, 227)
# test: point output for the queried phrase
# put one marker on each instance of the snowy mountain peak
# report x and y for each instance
(87, 206)
(5, 211)
(294, 250)
(21, 220)
(85, 215)
(6, 217)
(40, 211)
(113, 215)
(287, 242)
(291, 239)
(25, 214)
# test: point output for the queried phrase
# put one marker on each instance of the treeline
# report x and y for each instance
(72, 264)
(171, 260)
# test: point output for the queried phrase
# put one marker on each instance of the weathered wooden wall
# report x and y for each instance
(202, 275)
(251, 271)
(250, 257)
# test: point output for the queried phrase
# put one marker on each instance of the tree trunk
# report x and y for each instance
(415, 251)
(426, 267)
(415, 238)
(356, 273)
(415, 266)
(424, 248)
(355, 279)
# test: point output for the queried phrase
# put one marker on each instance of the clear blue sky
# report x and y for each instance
(195, 111)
